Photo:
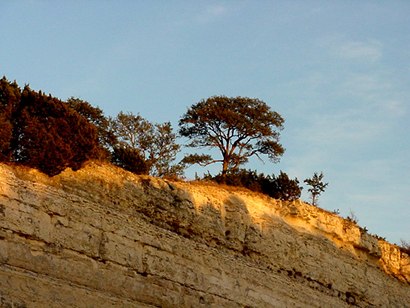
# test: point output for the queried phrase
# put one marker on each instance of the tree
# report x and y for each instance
(316, 186)
(154, 143)
(49, 136)
(164, 151)
(10, 94)
(238, 127)
(96, 117)
(6, 131)
(42, 132)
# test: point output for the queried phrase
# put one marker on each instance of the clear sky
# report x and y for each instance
(337, 71)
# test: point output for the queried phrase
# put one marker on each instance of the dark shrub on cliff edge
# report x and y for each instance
(242, 178)
(130, 159)
(280, 187)
(283, 188)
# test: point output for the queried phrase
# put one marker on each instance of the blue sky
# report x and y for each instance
(337, 71)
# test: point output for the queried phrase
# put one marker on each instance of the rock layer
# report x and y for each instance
(102, 237)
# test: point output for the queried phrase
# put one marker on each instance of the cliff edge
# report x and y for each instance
(103, 237)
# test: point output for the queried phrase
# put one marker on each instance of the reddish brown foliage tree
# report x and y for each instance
(43, 132)
(9, 100)
(50, 136)
(96, 117)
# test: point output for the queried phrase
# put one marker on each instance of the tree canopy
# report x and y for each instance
(317, 186)
(41, 131)
(239, 127)
(10, 95)
(96, 117)
(139, 139)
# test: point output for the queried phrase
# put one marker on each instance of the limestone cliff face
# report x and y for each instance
(102, 237)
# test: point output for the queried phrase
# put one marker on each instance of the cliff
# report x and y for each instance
(102, 237)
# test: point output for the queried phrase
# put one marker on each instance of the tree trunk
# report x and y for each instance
(225, 165)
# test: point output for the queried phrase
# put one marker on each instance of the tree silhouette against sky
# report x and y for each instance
(239, 127)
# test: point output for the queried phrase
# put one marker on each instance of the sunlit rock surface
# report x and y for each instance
(102, 237)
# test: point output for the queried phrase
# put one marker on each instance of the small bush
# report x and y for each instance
(241, 178)
(130, 159)
(283, 188)
(352, 217)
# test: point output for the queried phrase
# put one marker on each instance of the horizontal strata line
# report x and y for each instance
(305, 280)
(194, 289)
(58, 281)
(31, 237)
(20, 201)
(103, 261)
(99, 260)
(103, 293)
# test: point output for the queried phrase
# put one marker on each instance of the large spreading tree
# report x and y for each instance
(239, 127)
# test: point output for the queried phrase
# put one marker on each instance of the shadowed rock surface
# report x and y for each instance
(103, 237)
